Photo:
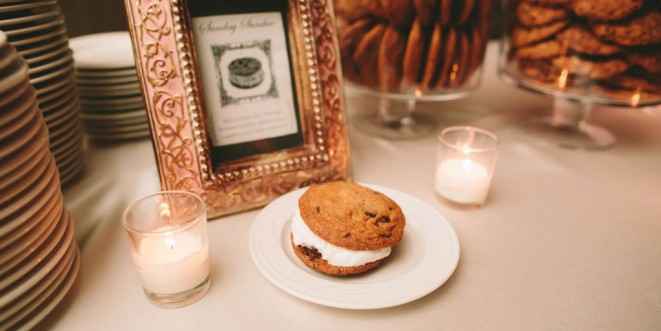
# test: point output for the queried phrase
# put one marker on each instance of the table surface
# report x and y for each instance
(568, 239)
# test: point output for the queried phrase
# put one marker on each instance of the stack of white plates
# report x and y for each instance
(37, 30)
(107, 82)
(39, 258)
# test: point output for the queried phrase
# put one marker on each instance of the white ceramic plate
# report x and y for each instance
(110, 50)
(53, 299)
(69, 254)
(53, 208)
(54, 41)
(12, 96)
(21, 183)
(53, 279)
(30, 252)
(112, 101)
(118, 136)
(23, 6)
(425, 258)
(18, 106)
(21, 122)
(38, 143)
(112, 108)
(106, 74)
(17, 174)
(30, 18)
(97, 82)
(39, 40)
(137, 116)
(31, 272)
(58, 21)
(26, 134)
(28, 204)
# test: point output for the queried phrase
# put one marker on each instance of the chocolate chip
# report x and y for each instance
(382, 219)
(318, 209)
(347, 235)
(311, 252)
(385, 235)
(370, 214)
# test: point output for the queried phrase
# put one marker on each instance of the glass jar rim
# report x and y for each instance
(184, 225)
(467, 128)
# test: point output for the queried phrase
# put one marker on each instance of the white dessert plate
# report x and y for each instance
(54, 41)
(38, 313)
(26, 134)
(23, 6)
(50, 210)
(18, 106)
(21, 122)
(38, 144)
(30, 252)
(113, 108)
(119, 135)
(51, 109)
(137, 116)
(98, 82)
(21, 183)
(10, 97)
(17, 174)
(105, 74)
(28, 274)
(54, 278)
(425, 258)
(110, 50)
(55, 95)
(30, 18)
(72, 173)
(29, 203)
(39, 39)
(58, 21)
(111, 101)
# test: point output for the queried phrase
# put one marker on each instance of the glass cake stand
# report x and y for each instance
(582, 60)
(401, 53)
(396, 116)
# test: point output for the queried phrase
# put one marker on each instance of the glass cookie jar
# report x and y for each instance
(583, 52)
(406, 51)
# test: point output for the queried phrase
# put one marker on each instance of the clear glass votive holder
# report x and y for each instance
(167, 234)
(465, 162)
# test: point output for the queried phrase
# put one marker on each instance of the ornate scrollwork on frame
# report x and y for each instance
(193, 151)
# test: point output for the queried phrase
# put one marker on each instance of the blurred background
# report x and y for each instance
(86, 17)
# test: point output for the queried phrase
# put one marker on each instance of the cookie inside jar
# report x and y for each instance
(420, 46)
(605, 51)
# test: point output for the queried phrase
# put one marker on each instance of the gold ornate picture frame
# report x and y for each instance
(298, 145)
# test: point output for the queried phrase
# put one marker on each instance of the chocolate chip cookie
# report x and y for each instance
(352, 216)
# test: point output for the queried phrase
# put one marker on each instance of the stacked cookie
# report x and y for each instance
(428, 45)
(343, 228)
(608, 49)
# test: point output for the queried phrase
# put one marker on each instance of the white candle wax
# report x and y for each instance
(462, 181)
(172, 264)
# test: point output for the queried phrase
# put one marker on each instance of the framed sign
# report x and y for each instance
(244, 97)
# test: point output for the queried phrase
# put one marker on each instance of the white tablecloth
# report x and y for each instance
(568, 240)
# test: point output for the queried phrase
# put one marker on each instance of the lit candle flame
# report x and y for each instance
(562, 80)
(170, 242)
(635, 98)
(467, 164)
(164, 207)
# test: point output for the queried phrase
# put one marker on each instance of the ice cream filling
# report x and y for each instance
(334, 255)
